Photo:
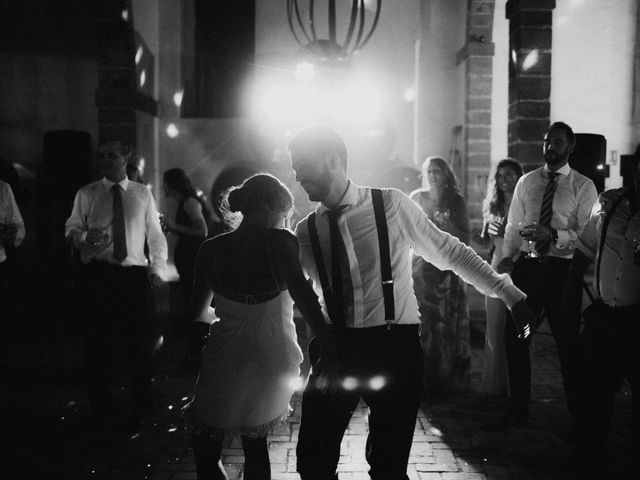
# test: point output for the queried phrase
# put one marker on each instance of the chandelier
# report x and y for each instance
(305, 27)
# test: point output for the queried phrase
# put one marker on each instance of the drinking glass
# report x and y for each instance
(495, 226)
(523, 229)
(441, 216)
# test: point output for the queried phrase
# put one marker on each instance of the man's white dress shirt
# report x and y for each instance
(10, 214)
(573, 201)
(92, 208)
(619, 270)
(409, 230)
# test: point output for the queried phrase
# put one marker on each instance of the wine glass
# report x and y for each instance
(526, 228)
(496, 226)
(441, 216)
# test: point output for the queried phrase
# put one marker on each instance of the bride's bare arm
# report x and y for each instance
(202, 294)
(286, 253)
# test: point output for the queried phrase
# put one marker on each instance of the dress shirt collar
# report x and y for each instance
(564, 170)
(108, 183)
(349, 198)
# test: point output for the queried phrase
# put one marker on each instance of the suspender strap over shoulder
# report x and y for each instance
(385, 256)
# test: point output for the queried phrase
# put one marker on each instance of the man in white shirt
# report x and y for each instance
(110, 220)
(379, 354)
(550, 207)
(12, 229)
(608, 344)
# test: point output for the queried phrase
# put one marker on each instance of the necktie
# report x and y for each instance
(119, 231)
(546, 211)
(338, 260)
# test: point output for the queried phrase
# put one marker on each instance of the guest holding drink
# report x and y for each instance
(110, 220)
(441, 295)
(495, 213)
(550, 208)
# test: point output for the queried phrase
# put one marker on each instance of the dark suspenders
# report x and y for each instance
(385, 256)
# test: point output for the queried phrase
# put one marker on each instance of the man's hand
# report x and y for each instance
(326, 365)
(505, 266)
(97, 237)
(8, 232)
(536, 233)
(155, 280)
(524, 318)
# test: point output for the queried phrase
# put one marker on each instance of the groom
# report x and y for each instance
(361, 239)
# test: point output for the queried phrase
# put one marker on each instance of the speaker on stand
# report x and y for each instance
(589, 158)
(65, 167)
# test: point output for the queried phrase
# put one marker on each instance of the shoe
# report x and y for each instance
(509, 420)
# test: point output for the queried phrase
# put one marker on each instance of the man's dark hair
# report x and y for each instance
(565, 128)
(321, 139)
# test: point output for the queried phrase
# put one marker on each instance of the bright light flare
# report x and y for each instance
(177, 98)
(172, 130)
(530, 60)
(409, 94)
(139, 53)
(514, 57)
(350, 383)
(143, 78)
(125, 14)
(377, 383)
(296, 383)
(305, 71)
(159, 342)
(330, 97)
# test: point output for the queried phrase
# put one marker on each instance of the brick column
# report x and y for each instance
(477, 54)
(116, 92)
(529, 77)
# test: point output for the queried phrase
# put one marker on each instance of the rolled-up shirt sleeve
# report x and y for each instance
(12, 215)
(75, 228)
(447, 253)
(158, 250)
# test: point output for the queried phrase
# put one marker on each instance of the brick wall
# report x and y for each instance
(529, 77)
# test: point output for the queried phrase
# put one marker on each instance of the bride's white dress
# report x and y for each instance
(250, 367)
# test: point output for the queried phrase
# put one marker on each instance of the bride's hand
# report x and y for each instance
(326, 366)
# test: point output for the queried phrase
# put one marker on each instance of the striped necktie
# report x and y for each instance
(119, 231)
(546, 211)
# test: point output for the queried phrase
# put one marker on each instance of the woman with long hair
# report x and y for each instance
(190, 226)
(495, 210)
(441, 296)
(250, 364)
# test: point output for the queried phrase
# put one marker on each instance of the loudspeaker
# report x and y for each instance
(65, 167)
(628, 168)
(589, 158)
(66, 161)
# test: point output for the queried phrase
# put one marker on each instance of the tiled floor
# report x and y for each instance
(48, 434)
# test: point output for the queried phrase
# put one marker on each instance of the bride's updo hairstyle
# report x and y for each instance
(260, 193)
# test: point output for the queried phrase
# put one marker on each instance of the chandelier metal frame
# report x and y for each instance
(329, 49)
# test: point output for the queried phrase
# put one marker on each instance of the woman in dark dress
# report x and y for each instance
(190, 226)
(441, 296)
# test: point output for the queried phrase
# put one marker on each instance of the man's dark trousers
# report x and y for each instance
(116, 327)
(542, 279)
(393, 356)
(609, 352)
